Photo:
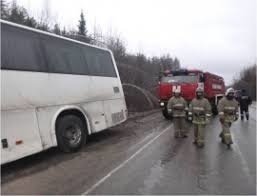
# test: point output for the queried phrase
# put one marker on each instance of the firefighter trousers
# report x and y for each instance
(199, 134)
(225, 134)
(179, 126)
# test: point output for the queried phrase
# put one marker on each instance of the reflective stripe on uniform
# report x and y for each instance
(198, 108)
(229, 108)
(179, 115)
(178, 105)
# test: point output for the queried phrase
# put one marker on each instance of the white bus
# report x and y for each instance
(55, 91)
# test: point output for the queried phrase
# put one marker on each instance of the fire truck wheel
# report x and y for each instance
(166, 114)
(214, 110)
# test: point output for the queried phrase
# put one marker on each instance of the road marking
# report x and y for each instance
(125, 162)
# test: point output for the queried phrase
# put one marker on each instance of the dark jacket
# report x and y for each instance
(244, 100)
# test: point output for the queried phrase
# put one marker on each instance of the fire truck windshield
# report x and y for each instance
(180, 78)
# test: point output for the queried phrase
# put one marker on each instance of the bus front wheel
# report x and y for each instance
(70, 133)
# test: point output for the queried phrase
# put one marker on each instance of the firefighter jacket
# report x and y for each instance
(177, 106)
(228, 110)
(200, 109)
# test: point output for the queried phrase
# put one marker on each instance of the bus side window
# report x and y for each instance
(99, 62)
(64, 57)
(21, 50)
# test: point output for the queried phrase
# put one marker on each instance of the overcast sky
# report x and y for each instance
(214, 35)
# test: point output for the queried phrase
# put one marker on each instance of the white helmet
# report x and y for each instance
(177, 90)
(229, 90)
(199, 89)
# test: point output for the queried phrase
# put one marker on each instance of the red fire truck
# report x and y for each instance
(188, 81)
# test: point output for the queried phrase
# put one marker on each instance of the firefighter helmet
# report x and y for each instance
(177, 90)
(230, 90)
(199, 90)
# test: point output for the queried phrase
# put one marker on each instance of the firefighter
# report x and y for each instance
(200, 112)
(244, 102)
(228, 113)
(177, 106)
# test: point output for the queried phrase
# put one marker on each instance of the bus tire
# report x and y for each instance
(71, 133)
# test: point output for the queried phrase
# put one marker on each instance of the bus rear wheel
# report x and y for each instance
(70, 133)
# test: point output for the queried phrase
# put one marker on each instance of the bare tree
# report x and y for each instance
(57, 29)
(247, 80)
(117, 46)
(4, 10)
(45, 18)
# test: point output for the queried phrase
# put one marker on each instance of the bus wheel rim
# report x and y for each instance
(73, 135)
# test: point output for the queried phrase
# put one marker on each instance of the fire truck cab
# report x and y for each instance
(188, 81)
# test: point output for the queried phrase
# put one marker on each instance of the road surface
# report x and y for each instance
(142, 157)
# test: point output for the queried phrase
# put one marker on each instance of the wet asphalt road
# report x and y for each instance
(142, 157)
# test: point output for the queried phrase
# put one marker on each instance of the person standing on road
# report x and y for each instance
(200, 111)
(244, 101)
(228, 113)
(177, 106)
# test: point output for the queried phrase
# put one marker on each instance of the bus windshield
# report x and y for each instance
(180, 78)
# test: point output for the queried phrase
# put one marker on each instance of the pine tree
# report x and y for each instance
(64, 33)
(57, 29)
(176, 63)
(4, 12)
(31, 22)
(17, 14)
(82, 25)
(141, 59)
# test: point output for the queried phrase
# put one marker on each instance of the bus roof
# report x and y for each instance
(52, 34)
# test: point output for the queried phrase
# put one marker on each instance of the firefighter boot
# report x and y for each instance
(228, 139)
(184, 136)
(176, 134)
(183, 133)
(222, 137)
(200, 144)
